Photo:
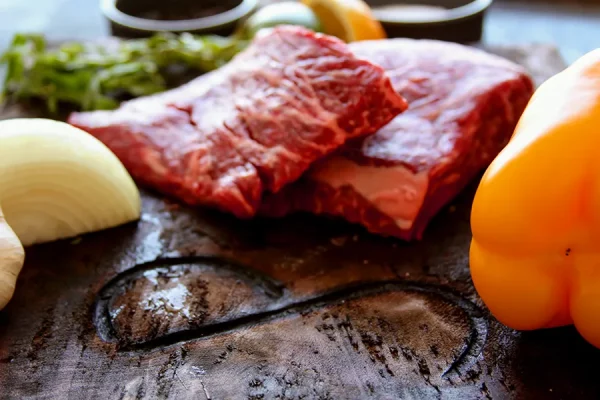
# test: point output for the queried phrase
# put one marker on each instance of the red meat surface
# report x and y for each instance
(254, 125)
(463, 107)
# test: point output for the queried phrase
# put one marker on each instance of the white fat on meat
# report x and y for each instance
(396, 191)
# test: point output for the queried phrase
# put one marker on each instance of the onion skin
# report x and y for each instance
(12, 257)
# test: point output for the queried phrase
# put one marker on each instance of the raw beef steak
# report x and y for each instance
(463, 107)
(256, 124)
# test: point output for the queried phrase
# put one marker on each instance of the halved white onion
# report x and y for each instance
(56, 182)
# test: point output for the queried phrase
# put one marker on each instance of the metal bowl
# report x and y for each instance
(142, 18)
(451, 20)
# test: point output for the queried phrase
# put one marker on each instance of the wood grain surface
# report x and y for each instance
(192, 304)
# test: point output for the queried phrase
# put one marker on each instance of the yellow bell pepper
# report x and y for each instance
(535, 254)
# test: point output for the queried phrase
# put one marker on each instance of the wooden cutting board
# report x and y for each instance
(193, 304)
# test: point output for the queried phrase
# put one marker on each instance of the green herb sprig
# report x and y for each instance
(95, 76)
